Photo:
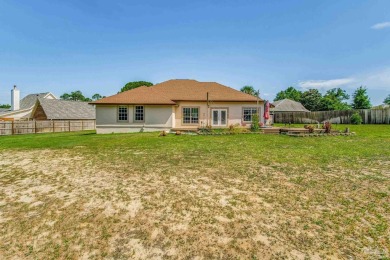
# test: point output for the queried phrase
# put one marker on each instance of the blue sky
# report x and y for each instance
(98, 46)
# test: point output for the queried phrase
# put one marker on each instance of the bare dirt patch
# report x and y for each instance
(66, 204)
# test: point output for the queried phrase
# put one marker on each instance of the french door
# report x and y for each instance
(219, 117)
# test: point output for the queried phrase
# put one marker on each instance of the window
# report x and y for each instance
(190, 115)
(139, 113)
(122, 113)
(248, 113)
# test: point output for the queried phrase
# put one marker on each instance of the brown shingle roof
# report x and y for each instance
(177, 90)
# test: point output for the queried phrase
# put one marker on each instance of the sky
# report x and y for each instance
(99, 46)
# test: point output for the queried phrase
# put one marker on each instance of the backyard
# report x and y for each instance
(82, 195)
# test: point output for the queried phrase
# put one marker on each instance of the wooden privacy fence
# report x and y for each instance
(45, 126)
(369, 116)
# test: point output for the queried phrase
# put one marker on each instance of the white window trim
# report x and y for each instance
(220, 109)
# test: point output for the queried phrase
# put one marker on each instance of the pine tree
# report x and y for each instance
(361, 99)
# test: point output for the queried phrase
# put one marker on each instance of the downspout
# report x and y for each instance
(208, 108)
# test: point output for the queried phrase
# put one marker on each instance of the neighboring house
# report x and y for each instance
(285, 105)
(45, 106)
(176, 105)
(57, 109)
(383, 106)
(4, 110)
(288, 105)
(22, 109)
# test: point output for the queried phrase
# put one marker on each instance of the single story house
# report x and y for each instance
(179, 104)
(46, 106)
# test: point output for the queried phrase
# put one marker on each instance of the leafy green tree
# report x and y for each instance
(65, 96)
(5, 106)
(335, 99)
(290, 93)
(311, 99)
(361, 99)
(387, 100)
(249, 90)
(97, 96)
(135, 84)
(75, 96)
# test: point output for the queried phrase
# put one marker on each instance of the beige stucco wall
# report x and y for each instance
(157, 118)
(234, 110)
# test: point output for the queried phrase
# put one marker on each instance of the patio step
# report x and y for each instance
(273, 130)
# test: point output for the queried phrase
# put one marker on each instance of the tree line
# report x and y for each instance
(312, 99)
(78, 95)
(333, 99)
(5, 106)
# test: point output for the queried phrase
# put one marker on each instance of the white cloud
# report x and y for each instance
(379, 80)
(380, 26)
(375, 80)
(326, 84)
(377, 83)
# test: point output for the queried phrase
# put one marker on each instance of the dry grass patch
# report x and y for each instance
(76, 204)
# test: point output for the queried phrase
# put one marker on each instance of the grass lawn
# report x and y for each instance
(119, 196)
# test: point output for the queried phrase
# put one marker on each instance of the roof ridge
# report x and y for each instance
(36, 94)
(62, 100)
(180, 90)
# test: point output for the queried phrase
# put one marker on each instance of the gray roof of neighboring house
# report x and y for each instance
(30, 100)
(4, 110)
(383, 106)
(67, 110)
(288, 105)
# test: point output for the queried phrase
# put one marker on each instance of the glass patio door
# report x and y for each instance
(219, 117)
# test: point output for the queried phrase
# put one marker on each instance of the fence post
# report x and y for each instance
(52, 122)
(12, 127)
(35, 126)
(82, 125)
(69, 125)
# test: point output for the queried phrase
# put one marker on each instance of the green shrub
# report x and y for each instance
(255, 123)
(356, 119)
